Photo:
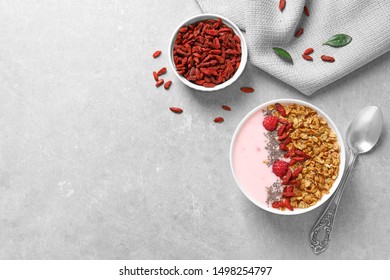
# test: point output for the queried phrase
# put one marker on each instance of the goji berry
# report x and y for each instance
(291, 182)
(296, 172)
(299, 32)
(282, 4)
(298, 158)
(288, 127)
(308, 51)
(219, 120)
(176, 110)
(226, 108)
(277, 204)
(167, 84)
(306, 11)
(159, 82)
(281, 129)
(288, 176)
(288, 194)
(287, 141)
(156, 54)
(283, 137)
(247, 89)
(286, 203)
(279, 107)
(327, 58)
(162, 71)
(155, 76)
(283, 147)
(290, 153)
(307, 57)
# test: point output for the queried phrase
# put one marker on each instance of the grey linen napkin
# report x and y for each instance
(366, 21)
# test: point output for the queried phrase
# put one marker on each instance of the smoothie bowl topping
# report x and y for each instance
(286, 156)
(311, 156)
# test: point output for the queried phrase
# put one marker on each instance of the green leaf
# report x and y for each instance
(339, 40)
(283, 54)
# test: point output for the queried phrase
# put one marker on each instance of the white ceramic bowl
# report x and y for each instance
(244, 51)
(341, 167)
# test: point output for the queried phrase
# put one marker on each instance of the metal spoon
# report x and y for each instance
(362, 135)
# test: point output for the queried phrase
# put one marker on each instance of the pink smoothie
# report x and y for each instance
(249, 157)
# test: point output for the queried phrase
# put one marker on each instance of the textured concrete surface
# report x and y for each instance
(93, 165)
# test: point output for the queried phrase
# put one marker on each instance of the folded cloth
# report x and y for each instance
(367, 22)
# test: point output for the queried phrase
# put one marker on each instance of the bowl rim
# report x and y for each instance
(244, 51)
(341, 166)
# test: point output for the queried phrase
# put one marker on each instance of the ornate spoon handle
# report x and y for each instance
(325, 222)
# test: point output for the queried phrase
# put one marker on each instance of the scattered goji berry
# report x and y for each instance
(247, 89)
(308, 51)
(219, 120)
(306, 11)
(156, 54)
(176, 110)
(155, 76)
(307, 57)
(167, 84)
(159, 82)
(226, 108)
(299, 32)
(327, 58)
(162, 71)
(282, 4)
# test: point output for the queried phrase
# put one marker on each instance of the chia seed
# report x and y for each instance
(272, 147)
(274, 192)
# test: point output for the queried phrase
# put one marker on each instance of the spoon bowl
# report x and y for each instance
(365, 129)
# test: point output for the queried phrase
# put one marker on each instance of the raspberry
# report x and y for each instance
(270, 123)
(280, 168)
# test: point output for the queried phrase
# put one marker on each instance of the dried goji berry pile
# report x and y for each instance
(207, 52)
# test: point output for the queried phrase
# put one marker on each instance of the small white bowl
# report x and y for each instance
(244, 51)
(341, 166)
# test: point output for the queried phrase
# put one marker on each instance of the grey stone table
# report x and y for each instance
(93, 165)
